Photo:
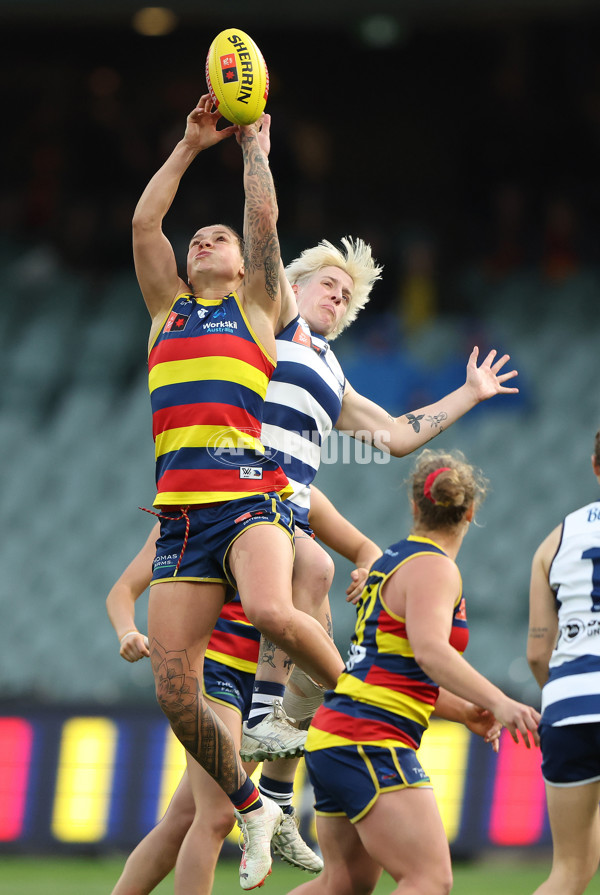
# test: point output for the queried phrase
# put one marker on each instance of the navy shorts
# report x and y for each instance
(227, 685)
(347, 780)
(570, 754)
(212, 531)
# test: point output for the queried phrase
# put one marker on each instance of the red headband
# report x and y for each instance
(430, 480)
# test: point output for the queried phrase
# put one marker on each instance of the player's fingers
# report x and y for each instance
(497, 366)
(490, 358)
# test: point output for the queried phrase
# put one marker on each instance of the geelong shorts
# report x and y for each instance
(227, 685)
(347, 780)
(194, 541)
(570, 754)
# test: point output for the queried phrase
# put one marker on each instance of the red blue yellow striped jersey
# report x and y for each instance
(208, 377)
(234, 641)
(383, 697)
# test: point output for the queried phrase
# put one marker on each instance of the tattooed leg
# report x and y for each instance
(194, 723)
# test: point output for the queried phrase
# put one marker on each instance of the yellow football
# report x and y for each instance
(237, 77)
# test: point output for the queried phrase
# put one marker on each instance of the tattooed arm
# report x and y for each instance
(261, 254)
(401, 435)
(543, 617)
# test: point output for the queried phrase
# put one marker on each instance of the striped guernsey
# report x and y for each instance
(383, 697)
(208, 378)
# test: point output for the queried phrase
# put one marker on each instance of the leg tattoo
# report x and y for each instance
(194, 723)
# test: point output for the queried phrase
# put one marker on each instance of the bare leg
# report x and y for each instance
(266, 594)
(181, 617)
(403, 833)
(154, 857)
(213, 820)
(348, 870)
(419, 858)
(575, 824)
(311, 580)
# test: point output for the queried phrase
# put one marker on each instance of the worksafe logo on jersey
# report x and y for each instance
(218, 322)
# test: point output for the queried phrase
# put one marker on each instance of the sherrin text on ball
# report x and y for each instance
(237, 77)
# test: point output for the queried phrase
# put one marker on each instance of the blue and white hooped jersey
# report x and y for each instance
(303, 403)
(572, 693)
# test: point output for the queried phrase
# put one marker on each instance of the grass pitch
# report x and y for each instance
(97, 876)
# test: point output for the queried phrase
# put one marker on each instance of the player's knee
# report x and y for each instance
(223, 823)
(352, 877)
(441, 881)
(275, 622)
(312, 585)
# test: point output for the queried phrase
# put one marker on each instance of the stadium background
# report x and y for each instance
(463, 143)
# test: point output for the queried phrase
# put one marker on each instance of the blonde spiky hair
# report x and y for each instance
(357, 261)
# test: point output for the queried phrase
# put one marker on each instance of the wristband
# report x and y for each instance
(129, 633)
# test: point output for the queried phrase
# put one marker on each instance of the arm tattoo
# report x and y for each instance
(538, 633)
(260, 214)
(435, 421)
(199, 730)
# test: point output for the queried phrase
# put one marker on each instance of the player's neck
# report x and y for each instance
(213, 288)
(449, 540)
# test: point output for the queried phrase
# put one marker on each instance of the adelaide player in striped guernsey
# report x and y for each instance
(375, 805)
(563, 650)
(219, 498)
(191, 837)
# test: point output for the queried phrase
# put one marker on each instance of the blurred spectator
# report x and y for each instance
(560, 254)
(417, 299)
(507, 251)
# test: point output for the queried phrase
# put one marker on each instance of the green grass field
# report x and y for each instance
(96, 876)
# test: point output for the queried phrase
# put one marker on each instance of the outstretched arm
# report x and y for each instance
(261, 244)
(153, 254)
(120, 602)
(401, 435)
(428, 590)
(289, 308)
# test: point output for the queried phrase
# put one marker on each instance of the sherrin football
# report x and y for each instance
(237, 77)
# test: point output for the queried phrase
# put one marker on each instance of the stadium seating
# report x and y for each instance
(75, 438)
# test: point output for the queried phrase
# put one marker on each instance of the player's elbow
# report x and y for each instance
(427, 658)
(538, 664)
(144, 221)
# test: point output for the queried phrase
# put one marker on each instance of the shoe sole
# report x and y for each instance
(296, 864)
(259, 754)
